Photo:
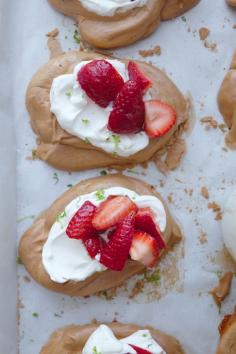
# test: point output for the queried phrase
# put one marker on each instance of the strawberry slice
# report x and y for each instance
(136, 74)
(160, 117)
(116, 251)
(80, 226)
(101, 81)
(144, 249)
(144, 221)
(93, 245)
(139, 350)
(127, 116)
(111, 211)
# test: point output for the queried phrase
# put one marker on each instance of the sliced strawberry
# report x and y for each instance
(136, 74)
(80, 226)
(144, 221)
(111, 211)
(144, 249)
(116, 251)
(139, 350)
(101, 81)
(93, 245)
(159, 118)
(128, 111)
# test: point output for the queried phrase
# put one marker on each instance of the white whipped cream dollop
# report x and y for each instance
(103, 341)
(80, 116)
(229, 224)
(110, 7)
(67, 259)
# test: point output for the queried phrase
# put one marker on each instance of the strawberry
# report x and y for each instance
(159, 118)
(127, 115)
(135, 74)
(80, 226)
(144, 249)
(144, 221)
(111, 211)
(93, 245)
(101, 81)
(139, 350)
(116, 251)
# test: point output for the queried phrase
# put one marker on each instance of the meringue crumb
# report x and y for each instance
(210, 122)
(205, 192)
(216, 209)
(53, 34)
(204, 33)
(202, 237)
(223, 288)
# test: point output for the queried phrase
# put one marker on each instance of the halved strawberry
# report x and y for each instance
(116, 251)
(139, 350)
(160, 117)
(111, 211)
(127, 115)
(144, 221)
(101, 81)
(144, 249)
(136, 74)
(80, 226)
(93, 245)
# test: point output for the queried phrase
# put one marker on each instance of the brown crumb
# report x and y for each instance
(54, 33)
(210, 122)
(205, 192)
(210, 45)
(150, 52)
(161, 165)
(170, 198)
(216, 209)
(234, 26)
(26, 279)
(202, 237)
(220, 292)
(223, 127)
(137, 289)
(204, 33)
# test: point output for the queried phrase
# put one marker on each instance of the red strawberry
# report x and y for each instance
(93, 245)
(135, 74)
(144, 248)
(159, 118)
(116, 251)
(111, 211)
(128, 111)
(101, 81)
(139, 350)
(144, 221)
(80, 226)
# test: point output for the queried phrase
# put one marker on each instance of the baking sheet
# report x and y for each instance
(185, 309)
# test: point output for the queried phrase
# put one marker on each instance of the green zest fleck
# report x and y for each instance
(25, 218)
(132, 171)
(95, 351)
(60, 217)
(116, 140)
(183, 18)
(100, 194)
(103, 173)
(86, 140)
(18, 260)
(35, 314)
(145, 335)
(55, 177)
(86, 121)
(69, 93)
(57, 315)
(153, 277)
(76, 36)
(69, 185)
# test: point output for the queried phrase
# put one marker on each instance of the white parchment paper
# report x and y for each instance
(189, 314)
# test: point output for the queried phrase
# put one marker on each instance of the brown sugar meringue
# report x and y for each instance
(79, 339)
(231, 2)
(227, 331)
(66, 151)
(227, 103)
(114, 24)
(46, 245)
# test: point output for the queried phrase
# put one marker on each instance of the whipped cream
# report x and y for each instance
(67, 259)
(103, 341)
(80, 116)
(229, 225)
(110, 7)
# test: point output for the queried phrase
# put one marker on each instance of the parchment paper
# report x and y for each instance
(186, 311)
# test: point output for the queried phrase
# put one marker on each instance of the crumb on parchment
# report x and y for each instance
(205, 192)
